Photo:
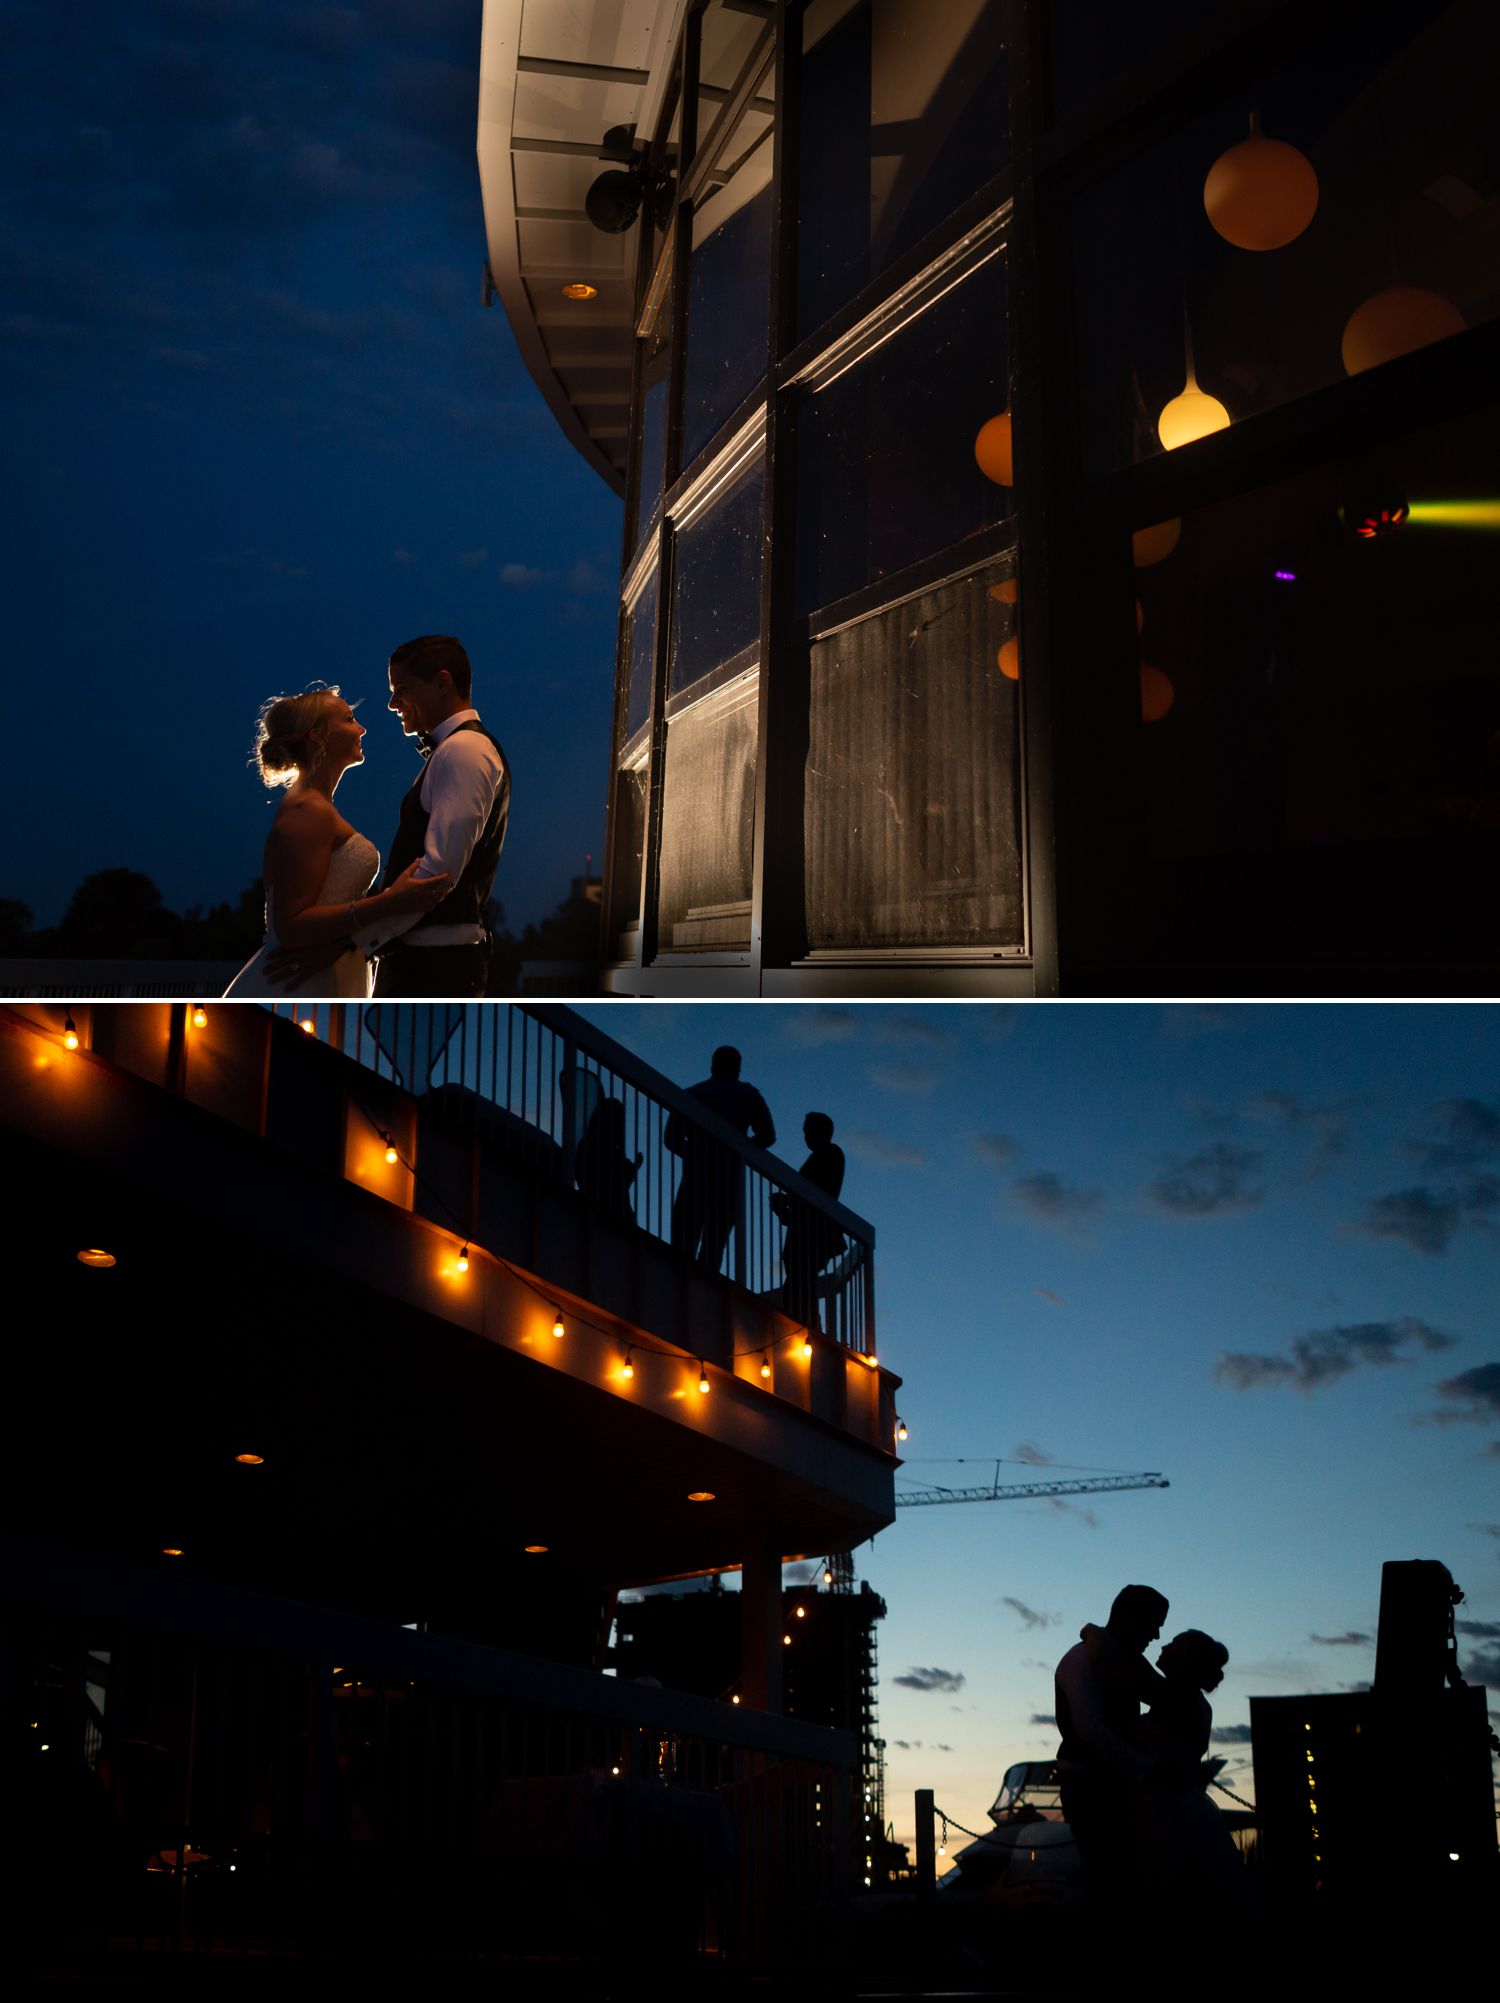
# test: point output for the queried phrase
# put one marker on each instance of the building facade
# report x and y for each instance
(1054, 445)
(370, 1363)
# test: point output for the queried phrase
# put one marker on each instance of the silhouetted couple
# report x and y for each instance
(1134, 1789)
(328, 931)
(710, 1201)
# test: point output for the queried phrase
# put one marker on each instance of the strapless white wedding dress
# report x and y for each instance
(352, 868)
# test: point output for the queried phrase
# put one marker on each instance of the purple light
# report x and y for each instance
(1289, 575)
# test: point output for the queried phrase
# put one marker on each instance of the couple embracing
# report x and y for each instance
(1134, 1788)
(328, 931)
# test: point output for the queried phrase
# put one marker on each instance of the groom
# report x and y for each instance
(453, 821)
(1099, 1694)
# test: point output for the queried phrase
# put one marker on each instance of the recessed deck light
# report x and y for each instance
(580, 289)
(700, 1495)
(535, 1548)
(251, 1460)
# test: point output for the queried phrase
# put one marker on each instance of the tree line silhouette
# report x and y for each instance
(119, 914)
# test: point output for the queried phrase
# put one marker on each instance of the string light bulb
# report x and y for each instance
(627, 1368)
(900, 1429)
(390, 1150)
(461, 1264)
(559, 1327)
(765, 1364)
(806, 1347)
(200, 1017)
(70, 1033)
(308, 1026)
(703, 1378)
(827, 1575)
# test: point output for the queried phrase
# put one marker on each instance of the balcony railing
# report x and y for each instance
(541, 1080)
(219, 1773)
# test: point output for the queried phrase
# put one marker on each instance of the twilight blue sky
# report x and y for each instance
(259, 430)
(1255, 1248)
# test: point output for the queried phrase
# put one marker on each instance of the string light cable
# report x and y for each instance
(636, 1345)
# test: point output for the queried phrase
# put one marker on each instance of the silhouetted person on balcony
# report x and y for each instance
(710, 1199)
(812, 1239)
(1099, 1764)
(603, 1168)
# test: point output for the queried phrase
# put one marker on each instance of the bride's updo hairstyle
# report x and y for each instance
(282, 731)
(1205, 1656)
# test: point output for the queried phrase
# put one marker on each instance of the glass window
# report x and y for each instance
(628, 818)
(1320, 738)
(656, 370)
(642, 652)
(887, 472)
(730, 278)
(716, 585)
(1329, 218)
(731, 40)
(708, 821)
(905, 115)
(912, 814)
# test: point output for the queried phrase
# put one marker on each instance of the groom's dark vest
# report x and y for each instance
(465, 902)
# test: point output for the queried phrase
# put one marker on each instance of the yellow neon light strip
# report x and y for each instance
(1458, 514)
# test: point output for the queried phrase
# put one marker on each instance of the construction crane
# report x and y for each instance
(1019, 1491)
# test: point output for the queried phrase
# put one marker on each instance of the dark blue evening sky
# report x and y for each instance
(260, 430)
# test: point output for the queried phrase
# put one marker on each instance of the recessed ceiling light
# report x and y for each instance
(171, 1550)
(700, 1495)
(251, 1460)
(536, 1547)
(92, 1255)
(580, 290)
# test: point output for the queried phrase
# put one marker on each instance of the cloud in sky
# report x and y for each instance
(813, 1025)
(901, 1076)
(1483, 1666)
(1060, 1506)
(949, 1680)
(1479, 1630)
(1464, 1133)
(1048, 1199)
(1331, 1353)
(1046, 1294)
(1216, 1178)
(1029, 1615)
(1460, 1149)
(1325, 1128)
(1474, 1395)
(1043, 1718)
(1229, 1735)
(521, 576)
(1025, 1451)
(1428, 1218)
(997, 1149)
(1351, 1638)
(887, 1153)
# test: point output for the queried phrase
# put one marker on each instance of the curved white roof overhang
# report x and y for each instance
(554, 75)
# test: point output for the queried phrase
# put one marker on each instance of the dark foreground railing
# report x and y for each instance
(197, 1771)
(587, 1112)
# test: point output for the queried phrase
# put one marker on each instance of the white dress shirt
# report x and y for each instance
(458, 790)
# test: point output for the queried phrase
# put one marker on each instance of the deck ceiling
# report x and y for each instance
(555, 75)
(404, 1456)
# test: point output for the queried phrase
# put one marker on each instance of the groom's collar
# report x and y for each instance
(429, 740)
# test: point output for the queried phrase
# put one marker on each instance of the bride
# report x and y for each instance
(1186, 1859)
(318, 868)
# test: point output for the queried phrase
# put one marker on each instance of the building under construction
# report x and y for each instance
(690, 1641)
